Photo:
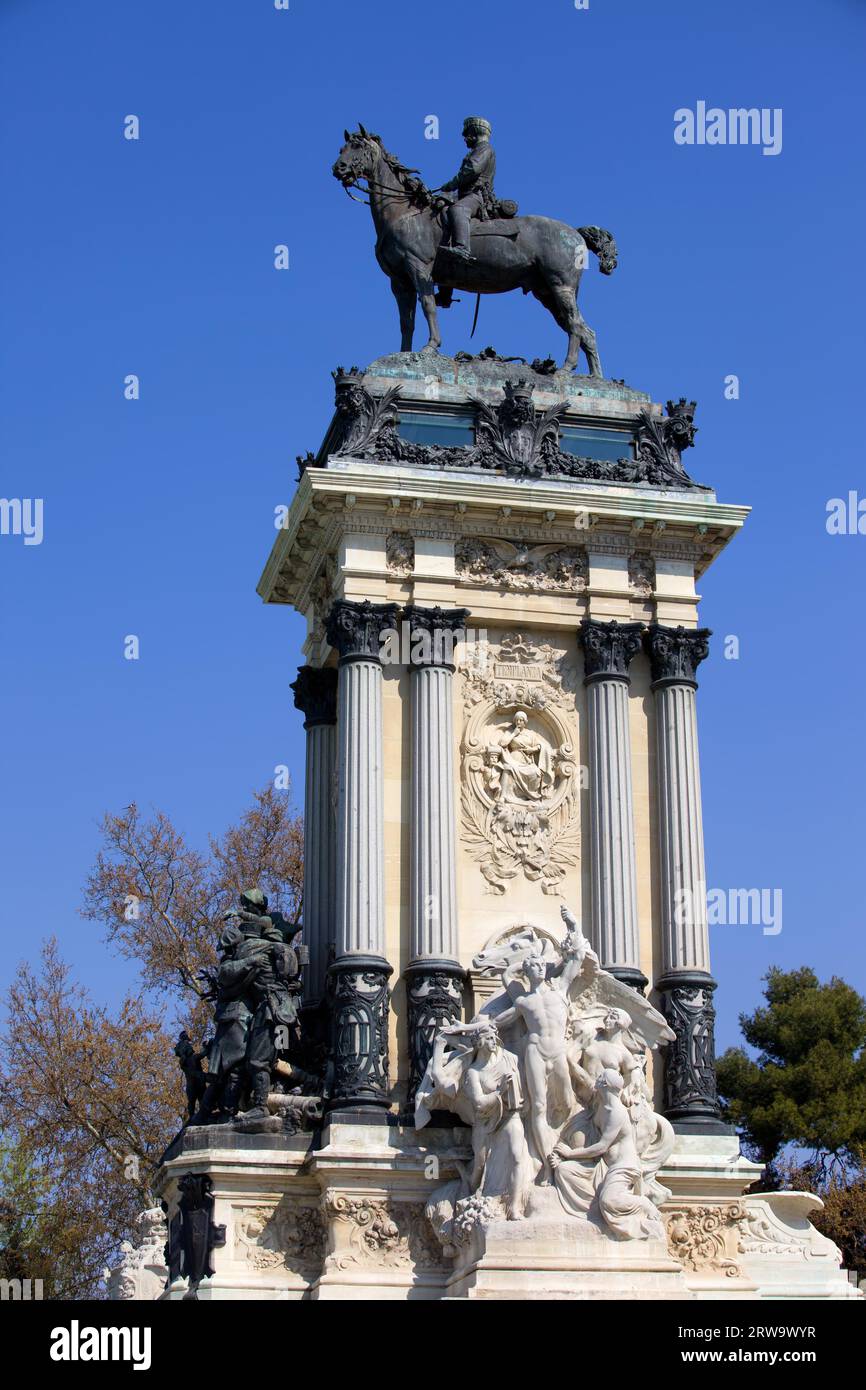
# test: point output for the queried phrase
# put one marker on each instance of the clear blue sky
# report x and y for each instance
(156, 258)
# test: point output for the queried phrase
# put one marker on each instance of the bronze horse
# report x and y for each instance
(537, 255)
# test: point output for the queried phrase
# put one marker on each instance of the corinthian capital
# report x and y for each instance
(316, 694)
(676, 652)
(356, 630)
(608, 648)
(431, 634)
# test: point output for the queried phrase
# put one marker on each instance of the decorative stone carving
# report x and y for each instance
(642, 574)
(608, 648)
(660, 443)
(551, 1080)
(355, 630)
(517, 672)
(704, 1238)
(505, 565)
(315, 693)
(360, 1002)
(400, 554)
(758, 1235)
(362, 419)
(378, 1233)
(288, 1236)
(690, 1067)
(676, 652)
(516, 437)
(519, 793)
(141, 1272)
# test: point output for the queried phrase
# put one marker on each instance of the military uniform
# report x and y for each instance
(473, 186)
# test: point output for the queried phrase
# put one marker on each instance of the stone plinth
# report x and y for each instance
(346, 1221)
(550, 1255)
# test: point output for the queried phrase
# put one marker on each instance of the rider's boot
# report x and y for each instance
(460, 234)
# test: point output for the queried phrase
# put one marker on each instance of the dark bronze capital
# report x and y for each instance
(431, 634)
(315, 693)
(608, 649)
(675, 653)
(356, 630)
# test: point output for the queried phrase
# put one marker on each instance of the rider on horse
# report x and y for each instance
(473, 185)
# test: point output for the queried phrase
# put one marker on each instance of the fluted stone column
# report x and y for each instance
(434, 977)
(609, 648)
(359, 974)
(686, 985)
(316, 695)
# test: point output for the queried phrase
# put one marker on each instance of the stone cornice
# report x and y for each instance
(355, 496)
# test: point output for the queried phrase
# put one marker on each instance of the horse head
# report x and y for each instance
(358, 158)
(498, 955)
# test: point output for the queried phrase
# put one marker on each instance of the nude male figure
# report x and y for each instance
(544, 1010)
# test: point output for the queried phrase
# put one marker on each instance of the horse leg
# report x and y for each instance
(590, 346)
(407, 300)
(428, 304)
(560, 303)
(425, 290)
(564, 309)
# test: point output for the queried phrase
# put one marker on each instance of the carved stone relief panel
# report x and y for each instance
(400, 554)
(642, 574)
(508, 565)
(288, 1237)
(519, 778)
(378, 1233)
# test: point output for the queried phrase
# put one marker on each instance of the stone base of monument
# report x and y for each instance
(551, 1255)
(339, 1214)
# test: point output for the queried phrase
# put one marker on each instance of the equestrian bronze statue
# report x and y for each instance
(430, 242)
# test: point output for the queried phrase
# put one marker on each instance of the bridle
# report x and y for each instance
(374, 186)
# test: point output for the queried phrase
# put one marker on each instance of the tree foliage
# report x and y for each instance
(843, 1192)
(160, 901)
(807, 1086)
(90, 1096)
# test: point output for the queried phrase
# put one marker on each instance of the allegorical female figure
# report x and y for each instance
(520, 763)
(473, 1075)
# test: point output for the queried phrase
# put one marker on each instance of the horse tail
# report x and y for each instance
(603, 245)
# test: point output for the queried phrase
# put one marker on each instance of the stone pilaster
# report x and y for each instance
(315, 693)
(434, 978)
(609, 648)
(359, 974)
(686, 986)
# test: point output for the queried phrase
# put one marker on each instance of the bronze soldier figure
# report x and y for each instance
(473, 185)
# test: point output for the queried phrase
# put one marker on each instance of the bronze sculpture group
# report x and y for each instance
(256, 995)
